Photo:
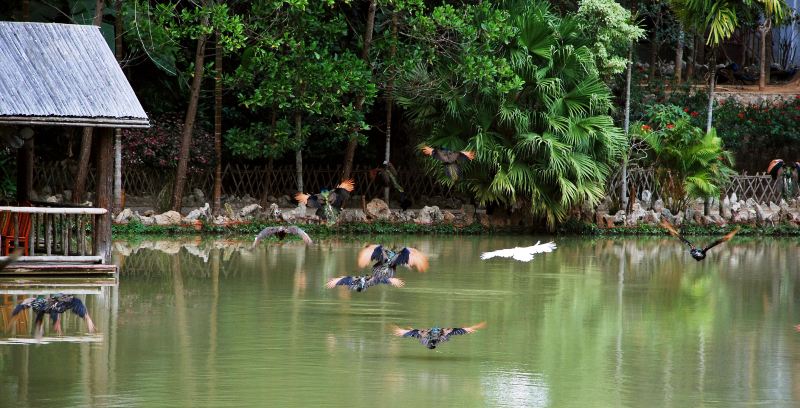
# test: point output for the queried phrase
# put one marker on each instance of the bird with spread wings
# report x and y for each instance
(524, 254)
(431, 338)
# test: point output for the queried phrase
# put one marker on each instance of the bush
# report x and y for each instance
(159, 145)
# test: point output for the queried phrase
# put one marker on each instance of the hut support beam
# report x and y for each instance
(105, 191)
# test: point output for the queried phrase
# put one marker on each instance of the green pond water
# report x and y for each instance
(597, 323)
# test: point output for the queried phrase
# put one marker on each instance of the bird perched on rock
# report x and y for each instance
(328, 202)
(430, 338)
(523, 254)
(449, 158)
(54, 305)
(697, 253)
(281, 232)
(361, 283)
(390, 178)
(387, 260)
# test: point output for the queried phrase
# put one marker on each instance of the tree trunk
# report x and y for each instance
(118, 202)
(712, 83)
(26, 10)
(691, 62)
(390, 102)
(188, 124)
(768, 73)
(350, 152)
(679, 56)
(762, 65)
(298, 155)
(86, 141)
(216, 196)
(623, 196)
(83, 166)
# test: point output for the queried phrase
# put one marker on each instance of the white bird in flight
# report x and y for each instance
(523, 254)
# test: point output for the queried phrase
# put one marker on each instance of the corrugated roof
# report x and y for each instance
(63, 74)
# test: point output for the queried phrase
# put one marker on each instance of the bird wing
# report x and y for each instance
(774, 168)
(411, 257)
(347, 185)
(399, 331)
(505, 253)
(462, 330)
(25, 304)
(294, 229)
(427, 150)
(675, 233)
(727, 237)
(370, 253)
(339, 281)
(11, 258)
(265, 233)
(338, 197)
(78, 307)
(466, 155)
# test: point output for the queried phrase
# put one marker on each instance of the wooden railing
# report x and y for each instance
(54, 234)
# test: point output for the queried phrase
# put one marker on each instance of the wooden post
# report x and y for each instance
(105, 192)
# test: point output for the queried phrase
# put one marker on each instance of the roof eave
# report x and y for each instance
(74, 121)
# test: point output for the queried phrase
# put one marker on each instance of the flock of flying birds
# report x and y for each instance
(383, 270)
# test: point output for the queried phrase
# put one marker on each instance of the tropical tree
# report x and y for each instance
(688, 162)
(718, 18)
(299, 72)
(522, 89)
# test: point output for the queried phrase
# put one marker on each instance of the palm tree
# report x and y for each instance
(688, 162)
(716, 17)
(547, 142)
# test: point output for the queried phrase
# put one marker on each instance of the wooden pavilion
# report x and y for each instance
(61, 75)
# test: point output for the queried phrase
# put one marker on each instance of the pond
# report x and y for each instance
(598, 322)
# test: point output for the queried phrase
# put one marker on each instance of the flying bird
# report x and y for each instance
(361, 283)
(696, 253)
(54, 306)
(281, 232)
(430, 338)
(387, 260)
(449, 158)
(524, 254)
(328, 200)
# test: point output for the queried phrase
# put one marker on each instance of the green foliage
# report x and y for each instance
(524, 92)
(298, 62)
(611, 27)
(750, 127)
(688, 162)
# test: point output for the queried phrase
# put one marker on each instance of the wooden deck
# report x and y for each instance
(57, 241)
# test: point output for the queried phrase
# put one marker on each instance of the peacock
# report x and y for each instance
(789, 174)
(387, 260)
(54, 305)
(328, 202)
(361, 283)
(281, 232)
(697, 253)
(449, 158)
(431, 338)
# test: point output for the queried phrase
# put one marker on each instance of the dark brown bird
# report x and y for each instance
(697, 253)
(430, 338)
(387, 260)
(361, 283)
(281, 232)
(449, 158)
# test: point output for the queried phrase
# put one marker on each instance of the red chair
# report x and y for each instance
(22, 236)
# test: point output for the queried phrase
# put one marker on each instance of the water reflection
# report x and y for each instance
(598, 322)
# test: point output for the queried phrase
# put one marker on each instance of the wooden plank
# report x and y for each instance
(54, 210)
(56, 258)
(48, 234)
(59, 269)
